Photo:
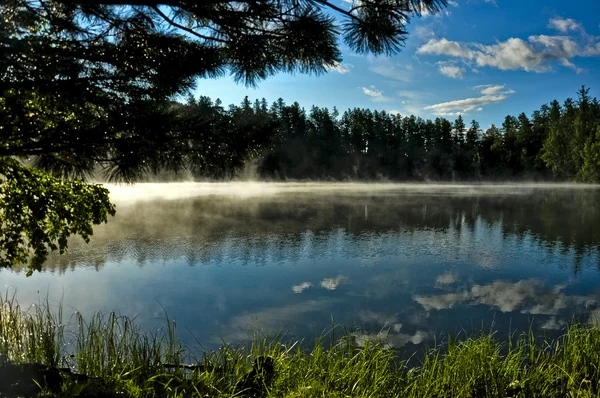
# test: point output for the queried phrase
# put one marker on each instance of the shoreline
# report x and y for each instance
(108, 355)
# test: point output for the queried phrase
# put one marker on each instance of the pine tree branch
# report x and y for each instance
(338, 9)
(191, 31)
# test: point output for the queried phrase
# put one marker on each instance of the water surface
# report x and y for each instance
(409, 263)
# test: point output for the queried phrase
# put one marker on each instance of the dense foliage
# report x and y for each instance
(88, 86)
(555, 142)
(39, 212)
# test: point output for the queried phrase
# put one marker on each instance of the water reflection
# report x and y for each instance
(405, 265)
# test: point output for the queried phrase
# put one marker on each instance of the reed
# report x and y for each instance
(108, 355)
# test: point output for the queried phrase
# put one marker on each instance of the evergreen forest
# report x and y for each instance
(558, 142)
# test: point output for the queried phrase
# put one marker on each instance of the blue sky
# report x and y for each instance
(483, 59)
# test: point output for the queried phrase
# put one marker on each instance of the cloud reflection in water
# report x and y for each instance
(423, 262)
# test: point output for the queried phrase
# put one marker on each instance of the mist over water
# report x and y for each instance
(235, 261)
(124, 193)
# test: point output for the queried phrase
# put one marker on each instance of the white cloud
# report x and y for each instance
(445, 47)
(454, 72)
(490, 94)
(446, 279)
(534, 54)
(424, 33)
(528, 296)
(564, 24)
(561, 47)
(553, 324)
(372, 91)
(442, 301)
(339, 68)
(571, 65)
(375, 94)
(301, 287)
(592, 50)
(272, 320)
(453, 3)
(333, 283)
(490, 89)
(462, 106)
(368, 316)
(391, 338)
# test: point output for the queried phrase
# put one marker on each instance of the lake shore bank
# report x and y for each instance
(108, 355)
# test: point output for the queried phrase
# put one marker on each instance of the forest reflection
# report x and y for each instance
(282, 228)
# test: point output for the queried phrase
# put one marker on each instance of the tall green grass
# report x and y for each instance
(120, 359)
(33, 335)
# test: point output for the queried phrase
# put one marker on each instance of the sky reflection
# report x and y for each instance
(400, 265)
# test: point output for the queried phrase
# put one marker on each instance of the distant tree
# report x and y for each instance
(556, 151)
(459, 130)
(287, 157)
(420, 142)
(570, 145)
(326, 139)
(491, 153)
(590, 170)
(540, 122)
(441, 156)
(584, 140)
(461, 158)
(471, 148)
(526, 141)
(472, 136)
(511, 147)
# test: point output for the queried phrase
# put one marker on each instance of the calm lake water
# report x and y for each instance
(410, 263)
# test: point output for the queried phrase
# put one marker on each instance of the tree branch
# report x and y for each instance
(338, 9)
(169, 20)
(148, 3)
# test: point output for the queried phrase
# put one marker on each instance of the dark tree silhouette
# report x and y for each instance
(363, 144)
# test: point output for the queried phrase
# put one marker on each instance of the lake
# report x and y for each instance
(407, 263)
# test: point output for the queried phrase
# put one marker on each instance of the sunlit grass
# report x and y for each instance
(109, 355)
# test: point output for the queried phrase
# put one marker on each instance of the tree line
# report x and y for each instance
(556, 142)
